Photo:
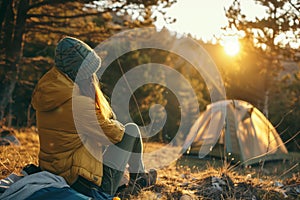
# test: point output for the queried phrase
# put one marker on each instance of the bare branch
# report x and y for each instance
(48, 2)
(294, 6)
(63, 17)
(45, 23)
(48, 30)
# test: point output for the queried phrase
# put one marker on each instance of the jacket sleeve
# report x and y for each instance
(112, 128)
(92, 125)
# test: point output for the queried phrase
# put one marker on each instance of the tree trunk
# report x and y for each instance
(7, 35)
(8, 28)
(14, 34)
(266, 104)
(3, 9)
(20, 30)
(6, 97)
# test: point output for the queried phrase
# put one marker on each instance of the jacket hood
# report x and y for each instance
(52, 90)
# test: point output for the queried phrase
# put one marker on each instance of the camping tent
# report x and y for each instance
(237, 130)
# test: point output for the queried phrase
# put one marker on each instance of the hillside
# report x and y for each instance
(186, 178)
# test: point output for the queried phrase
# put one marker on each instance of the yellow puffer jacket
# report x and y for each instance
(62, 150)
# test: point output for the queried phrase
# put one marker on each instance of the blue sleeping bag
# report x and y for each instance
(41, 185)
(51, 193)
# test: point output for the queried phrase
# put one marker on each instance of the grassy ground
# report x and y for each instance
(187, 178)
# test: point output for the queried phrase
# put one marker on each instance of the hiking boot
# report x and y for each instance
(142, 180)
(31, 169)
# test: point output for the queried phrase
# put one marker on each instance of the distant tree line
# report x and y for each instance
(29, 31)
(269, 47)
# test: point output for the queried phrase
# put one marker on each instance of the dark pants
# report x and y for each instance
(115, 159)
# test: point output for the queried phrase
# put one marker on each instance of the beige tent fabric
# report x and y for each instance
(239, 128)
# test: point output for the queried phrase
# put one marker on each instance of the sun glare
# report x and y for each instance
(231, 45)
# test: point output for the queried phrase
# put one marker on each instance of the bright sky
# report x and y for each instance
(204, 18)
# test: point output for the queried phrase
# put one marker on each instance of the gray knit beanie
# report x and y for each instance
(72, 54)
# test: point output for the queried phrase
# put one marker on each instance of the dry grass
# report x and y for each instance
(181, 182)
(183, 179)
(14, 158)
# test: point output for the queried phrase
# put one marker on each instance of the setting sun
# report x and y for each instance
(231, 45)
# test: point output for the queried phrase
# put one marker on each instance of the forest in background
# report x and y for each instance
(261, 74)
